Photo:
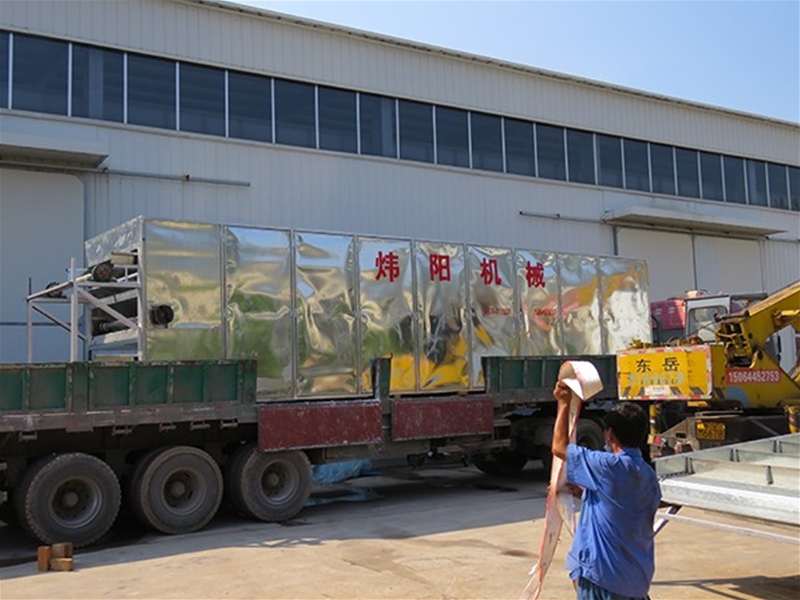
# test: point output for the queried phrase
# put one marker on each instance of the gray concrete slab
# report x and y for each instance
(441, 532)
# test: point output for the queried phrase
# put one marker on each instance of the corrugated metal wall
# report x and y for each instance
(41, 228)
(236, 181)
(283, 46)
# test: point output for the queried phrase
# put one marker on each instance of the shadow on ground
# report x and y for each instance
(766, 588)
(325, 517)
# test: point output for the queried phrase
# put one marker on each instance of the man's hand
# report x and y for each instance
(562, 393)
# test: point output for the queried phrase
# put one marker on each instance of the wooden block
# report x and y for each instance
(61, 564)
(62, 550)
(43, 555)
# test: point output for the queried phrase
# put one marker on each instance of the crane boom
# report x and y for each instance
(745, 333)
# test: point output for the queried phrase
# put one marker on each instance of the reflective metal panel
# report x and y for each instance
(441, 300)
(492, 310)
(386, 324)
(625, 301)
(539, 298)
(580, 304)
(183, 270)
(258, 304)
(124, 237)
(326, 340)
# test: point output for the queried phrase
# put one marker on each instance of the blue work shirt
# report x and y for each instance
(613, 544)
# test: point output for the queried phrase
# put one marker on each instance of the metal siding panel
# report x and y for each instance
(258, 311)
(491, 280)
(669, 259)
(196, 32)
(41, 228)
(539, 291)
(580, 304)
(387, 318)
(625, 298)
(728, 265)
(326, 352)
(781, 264)
(183, 269)
(443, 335)
(388, 197)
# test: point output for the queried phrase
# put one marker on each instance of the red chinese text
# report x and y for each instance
(388, 266)
(489, 272)
(534, 274)
(439, 267)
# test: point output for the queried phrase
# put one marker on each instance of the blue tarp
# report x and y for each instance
(340, 471)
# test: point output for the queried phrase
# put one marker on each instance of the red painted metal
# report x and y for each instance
(420, 418)
(319, 424)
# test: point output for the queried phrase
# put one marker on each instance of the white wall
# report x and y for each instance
(670, 259)
(41, 228)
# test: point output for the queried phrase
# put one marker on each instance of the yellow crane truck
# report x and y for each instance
(729, 390)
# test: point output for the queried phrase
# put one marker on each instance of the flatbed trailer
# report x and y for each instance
(169, 437)
(210, 358)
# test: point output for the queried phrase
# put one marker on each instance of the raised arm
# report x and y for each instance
(561, 429)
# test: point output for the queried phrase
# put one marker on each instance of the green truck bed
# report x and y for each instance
(83, 395)
(532, 379)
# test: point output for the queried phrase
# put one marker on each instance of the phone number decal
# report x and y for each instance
(737, 376)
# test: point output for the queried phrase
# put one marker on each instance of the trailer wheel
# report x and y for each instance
(176, 489)
(501, 462)
(269, 486)
(590, 435)
(546, 456)
(8, 512)
(68, 497)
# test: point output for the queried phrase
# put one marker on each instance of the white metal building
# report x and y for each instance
(208, 111)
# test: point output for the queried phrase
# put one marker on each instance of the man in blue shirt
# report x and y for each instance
(612, 555)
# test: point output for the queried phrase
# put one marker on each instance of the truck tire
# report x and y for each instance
(8, 512)
(500, 462)
(72, 497)
(590, 435)
(176, 489)
(546, 456)
(269, 486)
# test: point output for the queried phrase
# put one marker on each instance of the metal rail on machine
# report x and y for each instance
(758, 480)
(96, 290)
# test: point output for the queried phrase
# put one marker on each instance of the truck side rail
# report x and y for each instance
(79, 396)
(532, 378)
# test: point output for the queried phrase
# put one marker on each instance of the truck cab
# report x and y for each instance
(694, 316)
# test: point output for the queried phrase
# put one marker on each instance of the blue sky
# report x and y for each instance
(743, 55)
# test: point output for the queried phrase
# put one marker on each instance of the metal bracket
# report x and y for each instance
(228, 423)
(163, 427)
(28, 436)
(122, 430)
(198, 425)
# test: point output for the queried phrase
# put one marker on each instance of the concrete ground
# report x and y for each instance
(441, 532)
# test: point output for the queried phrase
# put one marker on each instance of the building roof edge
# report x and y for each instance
(478, 59)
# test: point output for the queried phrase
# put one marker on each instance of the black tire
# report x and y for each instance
(546, 456)
(590, 435)
(71, 497)
(176, 489)
(269, 486)
(500, 462)
(8, 512)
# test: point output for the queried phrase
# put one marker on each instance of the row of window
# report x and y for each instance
(54, 76)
